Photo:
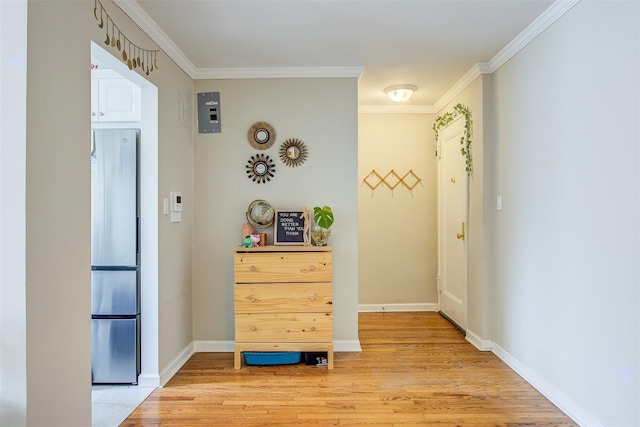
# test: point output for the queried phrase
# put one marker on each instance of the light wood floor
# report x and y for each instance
(415, 369)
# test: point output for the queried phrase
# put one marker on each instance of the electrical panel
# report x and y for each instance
(209, 112)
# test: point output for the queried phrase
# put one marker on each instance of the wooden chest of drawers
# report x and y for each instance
(283, 300)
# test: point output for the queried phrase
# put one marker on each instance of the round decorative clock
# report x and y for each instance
(293, 152)
(261, 135)
(260, 168)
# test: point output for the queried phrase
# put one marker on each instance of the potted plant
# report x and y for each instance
(322, 222)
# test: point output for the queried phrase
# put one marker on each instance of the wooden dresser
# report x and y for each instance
(283, 300)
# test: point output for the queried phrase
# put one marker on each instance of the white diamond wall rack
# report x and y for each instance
(392, 179)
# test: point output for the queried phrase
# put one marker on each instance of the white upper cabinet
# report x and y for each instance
(114, 98)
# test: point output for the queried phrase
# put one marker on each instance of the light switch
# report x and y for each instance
(165, 206)
(499, 203)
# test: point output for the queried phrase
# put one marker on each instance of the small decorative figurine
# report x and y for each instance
(251, 241)
(305, 233)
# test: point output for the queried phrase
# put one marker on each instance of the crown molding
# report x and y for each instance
(396, 109)
(276, 72)
(548, 17)
(140, 17)
(148, 25)
(476, 71)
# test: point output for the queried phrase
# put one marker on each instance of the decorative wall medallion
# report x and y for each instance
(260, 168)
(261, 135)
(293, 152)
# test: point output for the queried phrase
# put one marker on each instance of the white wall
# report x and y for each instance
(322, 113)
(398, 250)
(567, 239)
(13, 79)
(58, 208)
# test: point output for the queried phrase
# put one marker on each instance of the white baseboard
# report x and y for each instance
(479, 343)
(346, 345)
(548, 390)
(228, 346)
(175, 365)
(214, 346)
(148, 380)
(381, 308)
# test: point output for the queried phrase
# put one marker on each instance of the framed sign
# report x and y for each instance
(292, 228)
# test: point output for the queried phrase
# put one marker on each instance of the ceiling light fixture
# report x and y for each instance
(400, 93)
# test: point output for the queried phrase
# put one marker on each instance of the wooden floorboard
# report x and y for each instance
(415, 369)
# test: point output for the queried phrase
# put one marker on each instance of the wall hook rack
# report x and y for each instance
(392, 179)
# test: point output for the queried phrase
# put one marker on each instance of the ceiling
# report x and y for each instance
(431, 44)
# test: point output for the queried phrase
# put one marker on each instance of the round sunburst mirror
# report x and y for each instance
(260, 168)
(293, 152)
(261, 135)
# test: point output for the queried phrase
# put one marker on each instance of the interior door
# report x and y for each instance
(452, 225)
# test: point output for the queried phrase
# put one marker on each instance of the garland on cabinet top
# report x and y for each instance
(465, 140)
(149, 61)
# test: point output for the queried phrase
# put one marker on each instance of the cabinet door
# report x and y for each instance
(118, 101)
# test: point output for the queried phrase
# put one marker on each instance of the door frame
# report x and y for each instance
(150, 375)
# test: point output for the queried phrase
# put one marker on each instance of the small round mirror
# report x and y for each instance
(262, 136)
(293, 152)
(260, 168)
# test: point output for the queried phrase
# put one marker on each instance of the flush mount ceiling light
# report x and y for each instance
(400, 93)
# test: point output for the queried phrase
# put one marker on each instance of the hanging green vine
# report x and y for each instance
(465, 140)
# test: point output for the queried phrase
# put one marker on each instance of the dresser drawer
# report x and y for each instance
(286, 297)
(282, 267)
(284, 327)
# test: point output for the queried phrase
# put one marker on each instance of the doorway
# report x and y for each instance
(453, 207)
(150, 375)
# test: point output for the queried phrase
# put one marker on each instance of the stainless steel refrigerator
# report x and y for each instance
(115, 274)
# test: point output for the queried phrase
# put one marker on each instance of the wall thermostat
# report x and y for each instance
(176, 202)
(176, 206)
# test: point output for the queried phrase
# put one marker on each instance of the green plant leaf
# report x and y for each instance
(323, 216)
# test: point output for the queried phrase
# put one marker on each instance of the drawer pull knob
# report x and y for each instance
(312, 297)
(253, 328)
(253, 299)
(253, 268)
(313, 328)
(313, 267)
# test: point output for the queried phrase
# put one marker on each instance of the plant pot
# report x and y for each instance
(319, 235)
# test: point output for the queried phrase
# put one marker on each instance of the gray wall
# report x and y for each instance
(328, 126)
(58, 337)
(566, 298)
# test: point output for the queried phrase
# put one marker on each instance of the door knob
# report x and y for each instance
(461, 234)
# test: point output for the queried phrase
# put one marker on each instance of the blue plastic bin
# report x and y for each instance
(271, 358)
